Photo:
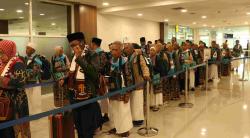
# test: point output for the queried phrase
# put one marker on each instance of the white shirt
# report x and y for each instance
(80, 75)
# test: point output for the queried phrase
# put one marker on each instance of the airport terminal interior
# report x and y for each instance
(124, 68)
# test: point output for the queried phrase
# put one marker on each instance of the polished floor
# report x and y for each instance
(222, 112)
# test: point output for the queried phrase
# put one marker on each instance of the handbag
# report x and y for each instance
(5, 107)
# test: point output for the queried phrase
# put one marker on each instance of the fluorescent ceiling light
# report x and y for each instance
(19, 11)
(139, 14)
(166, 20)
(105, 4)
(184, 10)
(2, 9)
(53, 24)
(203, 17)
(21, 17)
(42, 14)
(26, 3)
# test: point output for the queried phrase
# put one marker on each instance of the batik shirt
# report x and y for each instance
(215, 55)
(60, 66)
(31, 62)
(14, 74)
(120, 74)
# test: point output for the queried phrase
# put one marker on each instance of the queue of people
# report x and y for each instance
(93, 72)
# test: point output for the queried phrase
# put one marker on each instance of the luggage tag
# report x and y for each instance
(215, 55)
(172, 64)
(147, 60)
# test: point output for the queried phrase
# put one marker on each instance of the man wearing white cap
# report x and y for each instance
(34, 76)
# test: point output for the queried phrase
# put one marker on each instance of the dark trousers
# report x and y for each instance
(87, 120)
(7, 133)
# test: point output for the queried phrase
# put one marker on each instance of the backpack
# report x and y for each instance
(46, 68)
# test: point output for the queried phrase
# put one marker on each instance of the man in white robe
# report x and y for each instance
(119, 105)
(34, 76)
(140, 71)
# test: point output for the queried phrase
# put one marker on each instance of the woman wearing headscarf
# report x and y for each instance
(156, 95)
(12, 92)
(225, 58)
(60, 69)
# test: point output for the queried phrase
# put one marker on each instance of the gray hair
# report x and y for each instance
(119, 44)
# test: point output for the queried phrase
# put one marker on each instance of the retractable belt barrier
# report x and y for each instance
(80, 104)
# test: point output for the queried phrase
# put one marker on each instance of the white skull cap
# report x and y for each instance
(31, 45)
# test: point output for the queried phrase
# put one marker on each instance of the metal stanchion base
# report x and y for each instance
(148, 132)
(186, 105)
(243, 80)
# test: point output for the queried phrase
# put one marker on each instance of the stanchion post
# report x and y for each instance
(186, 104)
(243, 73)
(206, 83)
(148, 131)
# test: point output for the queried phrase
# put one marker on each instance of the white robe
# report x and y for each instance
(104, 106)
(34, 95)
(213, 71)
(191, 78)
(120, 116)
(137, 100)
(156, 99)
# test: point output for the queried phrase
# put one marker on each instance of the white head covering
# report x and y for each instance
(31, 45)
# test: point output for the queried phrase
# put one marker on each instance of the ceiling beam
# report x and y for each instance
(142, 5)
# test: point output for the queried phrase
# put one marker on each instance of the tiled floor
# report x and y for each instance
(223, 112)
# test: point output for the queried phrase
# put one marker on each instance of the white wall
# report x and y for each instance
(111, 28)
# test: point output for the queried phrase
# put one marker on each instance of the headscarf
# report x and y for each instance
(8, 47)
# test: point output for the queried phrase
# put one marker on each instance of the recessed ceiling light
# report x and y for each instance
(21, 17)
(203, 133)
(248, 13)
(246, 23)
(19, 11)
(53, 24)
(213, 26)
(166, 20)
(2, 9)
(204, 25)
(139, 14)
(184, 10)
(42, 14)
(194, 23)
(203, 17)
(244, 106)
(105, 4)
(203, 130)
(26, 3)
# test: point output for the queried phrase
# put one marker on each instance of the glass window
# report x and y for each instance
(14, 19)
(50, 19)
